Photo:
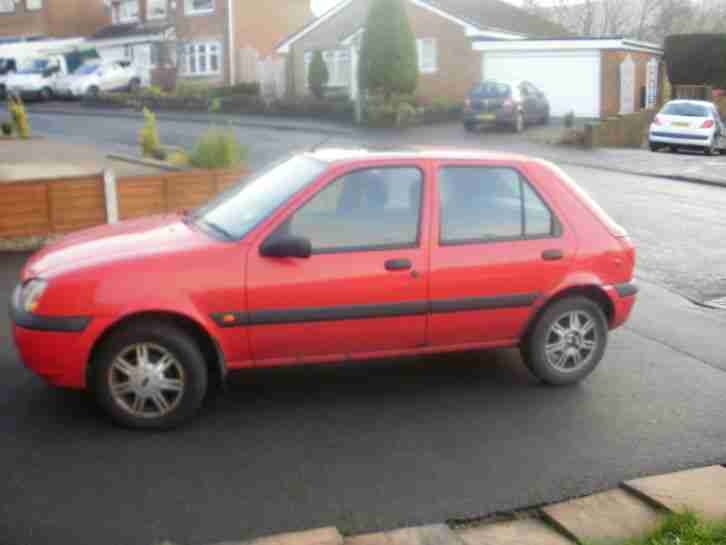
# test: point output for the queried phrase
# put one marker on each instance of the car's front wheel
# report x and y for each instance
(46, 94)
(149, 375)
(654, 146)
(567, 342)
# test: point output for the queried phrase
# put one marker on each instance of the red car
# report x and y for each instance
(329, 256)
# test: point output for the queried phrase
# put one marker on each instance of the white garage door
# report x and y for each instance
(570, 79)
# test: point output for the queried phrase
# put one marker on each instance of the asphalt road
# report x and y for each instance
(381, 445)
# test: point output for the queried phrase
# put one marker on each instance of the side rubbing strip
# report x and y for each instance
(484, 303)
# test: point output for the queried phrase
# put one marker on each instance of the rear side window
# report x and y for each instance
(486, 204)
(491, 89)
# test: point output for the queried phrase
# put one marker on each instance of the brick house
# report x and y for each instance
(56, 18)
(461, 42)
(203, 38)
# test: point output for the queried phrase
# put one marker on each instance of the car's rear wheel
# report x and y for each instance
(567, 342)
(150, 375)
(93, 91)
(46, 94)
(711, 148)
(134, 85)
(654, 146)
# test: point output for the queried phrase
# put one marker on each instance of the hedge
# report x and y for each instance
(696, 59)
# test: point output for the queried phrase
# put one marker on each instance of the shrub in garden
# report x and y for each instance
(189, 89)
(179, 158)
(7, 128)
(318, 75)
(252, 89)
(388, 61)
(218, 148)
(21, 123)
(149, 135)
(569, 120)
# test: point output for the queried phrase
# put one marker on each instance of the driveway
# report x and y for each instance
(387, 444)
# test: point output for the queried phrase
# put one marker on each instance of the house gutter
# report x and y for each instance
(230, 41)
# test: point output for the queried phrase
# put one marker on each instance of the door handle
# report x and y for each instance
(398, 264)
(552, 255)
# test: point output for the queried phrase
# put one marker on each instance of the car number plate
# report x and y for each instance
(486, 117)
(681, 124)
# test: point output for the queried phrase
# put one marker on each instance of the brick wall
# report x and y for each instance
(57, 18)
(610, 66)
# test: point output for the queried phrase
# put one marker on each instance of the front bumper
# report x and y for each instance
(501, 117)
(56, 348)
(622, 296)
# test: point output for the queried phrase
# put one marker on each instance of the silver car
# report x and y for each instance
(692, 124)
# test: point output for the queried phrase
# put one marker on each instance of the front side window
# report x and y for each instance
(194, 7)
(7, 6)
(33, 5)
(484, 204)
(366, 209)
(128, 12)
(427, 55)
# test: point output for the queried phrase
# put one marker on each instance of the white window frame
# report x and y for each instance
(7, 6)
(193, 48)
(432, 66)
(190, 10)
(150, 15)
(122, 16)
(33, 5)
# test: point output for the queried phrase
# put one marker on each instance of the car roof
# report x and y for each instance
(689, 101)
(413, 153)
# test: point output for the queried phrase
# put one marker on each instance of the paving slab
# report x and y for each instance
(377, 538)
(318, 536)
(434, 534)
(607, 517)
(700, 490)
(515, 532)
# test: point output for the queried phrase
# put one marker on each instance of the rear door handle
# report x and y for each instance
(552, 255)
(398, 264)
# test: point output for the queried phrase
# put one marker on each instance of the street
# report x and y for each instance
(378, 445)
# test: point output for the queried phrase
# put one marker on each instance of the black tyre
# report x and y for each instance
(470, 127)
(149, 375)
(93, 91)
(134, 85)
(46, 94)
(567, 342)
(653, 146)
(711, 148)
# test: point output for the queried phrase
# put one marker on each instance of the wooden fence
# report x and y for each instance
(45, 207)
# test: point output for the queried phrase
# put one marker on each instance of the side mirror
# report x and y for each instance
(287, 246)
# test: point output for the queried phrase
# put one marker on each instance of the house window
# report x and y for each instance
(126, 12)
(33, 5)
(337, 61)
(156, 9)
(202, 59)
(427, 55)
(7, 6)
(195, 7)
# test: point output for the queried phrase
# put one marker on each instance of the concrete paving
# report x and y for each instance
(607, 517)
(529, 531)
(700, 490)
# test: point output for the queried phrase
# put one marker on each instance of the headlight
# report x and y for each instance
(31, 293)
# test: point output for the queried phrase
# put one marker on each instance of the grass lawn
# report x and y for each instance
(685, 529)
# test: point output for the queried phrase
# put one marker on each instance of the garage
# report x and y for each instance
(592, 77)
(570, 79)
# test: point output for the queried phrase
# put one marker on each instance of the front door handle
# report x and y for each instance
(552, 255)
(398, 264)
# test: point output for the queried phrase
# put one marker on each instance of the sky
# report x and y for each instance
(321, 6)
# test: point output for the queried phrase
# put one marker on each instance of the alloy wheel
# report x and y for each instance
(146, 380)
(572, 341)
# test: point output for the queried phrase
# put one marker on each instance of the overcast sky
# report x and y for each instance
(320, 6)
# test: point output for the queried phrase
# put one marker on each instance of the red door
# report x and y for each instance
(363, 289)
(497, 249)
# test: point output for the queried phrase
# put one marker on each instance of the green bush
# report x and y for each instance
(149, 135)
(7, 128)
(218, 148)
(569, 120)
(186, 89)
(388, 61)
(252, 89)
(21, 123)
(318, 75)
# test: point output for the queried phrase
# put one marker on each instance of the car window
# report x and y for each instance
(685, 109)
(364, 210)
(491, 89)
(480, 204)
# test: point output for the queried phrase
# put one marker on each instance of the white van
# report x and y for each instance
(26, 55)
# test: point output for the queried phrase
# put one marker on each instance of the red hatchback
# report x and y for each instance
(324, 257)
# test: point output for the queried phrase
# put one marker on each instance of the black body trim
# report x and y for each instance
(44, 323)
(484, 303)
(626, 290)
(358, 312)
(679, 135)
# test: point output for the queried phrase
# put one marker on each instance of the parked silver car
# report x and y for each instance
(692, 124)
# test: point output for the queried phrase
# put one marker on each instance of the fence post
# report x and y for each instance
(110, 195)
